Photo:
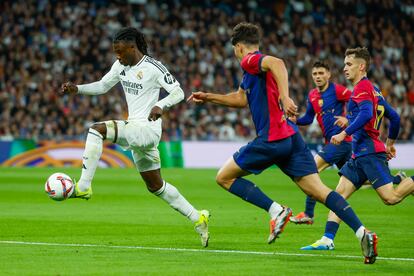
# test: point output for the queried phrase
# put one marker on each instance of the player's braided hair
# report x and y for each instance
(360, 52)
(247, 33)
(131, 34)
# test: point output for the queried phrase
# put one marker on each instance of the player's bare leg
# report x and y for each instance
(91, 156)
(230, 178)
(170, 194)
(391, 195)
(306, 217)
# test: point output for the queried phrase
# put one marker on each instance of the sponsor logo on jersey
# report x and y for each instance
(168, 78)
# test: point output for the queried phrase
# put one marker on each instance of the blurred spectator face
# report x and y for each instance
(125, 53)
(320, 76)
(354, 67)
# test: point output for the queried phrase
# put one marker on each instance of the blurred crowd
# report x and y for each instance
(44, 43)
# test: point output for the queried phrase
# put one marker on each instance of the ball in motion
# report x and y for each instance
(59, 186)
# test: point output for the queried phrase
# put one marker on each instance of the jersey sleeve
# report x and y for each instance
(165, 79)
(107, 82)
(307, 119)
(343, 94)
(394, 118)
(252, 63)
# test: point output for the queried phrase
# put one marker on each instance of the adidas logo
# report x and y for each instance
(123, 73)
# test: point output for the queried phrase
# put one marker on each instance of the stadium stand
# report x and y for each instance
(44, 43)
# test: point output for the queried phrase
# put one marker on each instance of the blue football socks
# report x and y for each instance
(343, 210)
(310, 206)
(331, 228)
(251, 193)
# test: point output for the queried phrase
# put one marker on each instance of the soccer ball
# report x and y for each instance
(59, 186)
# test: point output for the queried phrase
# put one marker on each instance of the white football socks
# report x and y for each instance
(172, 196)
(91, 155)
(360, 233)
(274, 210)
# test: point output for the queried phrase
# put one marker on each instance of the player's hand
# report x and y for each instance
(391, 152)
(293, 119)
(337, 139)
(69, 88)
(289, 107)
(341, 121)
(390, 149)
(155, 114)
(198, 97)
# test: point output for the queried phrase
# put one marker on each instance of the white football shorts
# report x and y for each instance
(142, 138)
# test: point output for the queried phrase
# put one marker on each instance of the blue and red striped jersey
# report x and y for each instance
(365, 140)
(326, 105)
(263, 98)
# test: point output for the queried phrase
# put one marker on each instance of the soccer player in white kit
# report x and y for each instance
(141, 77)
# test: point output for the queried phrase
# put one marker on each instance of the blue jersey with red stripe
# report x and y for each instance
(365, 140)
(263, 98)
(326, 105)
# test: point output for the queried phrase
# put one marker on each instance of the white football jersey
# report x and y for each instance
(141, 83)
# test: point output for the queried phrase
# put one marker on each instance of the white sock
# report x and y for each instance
(91, 155)
(326, 240)
(172, 196)
(360, 233)
(274, 210)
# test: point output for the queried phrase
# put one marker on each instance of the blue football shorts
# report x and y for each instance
(291, 155)
(336, 154)
(372, 167)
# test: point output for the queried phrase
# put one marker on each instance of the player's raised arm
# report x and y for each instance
(234, 99)
(95, 88)
(280, 74)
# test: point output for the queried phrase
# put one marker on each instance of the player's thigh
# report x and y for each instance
(228, 173)
(321, 164)
(354, 172)
(313, 186)
(146, 159)
(345, 187)
(376, 168)
(115, 132)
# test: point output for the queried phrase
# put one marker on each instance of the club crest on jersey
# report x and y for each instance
(320, 102)
(140, 75)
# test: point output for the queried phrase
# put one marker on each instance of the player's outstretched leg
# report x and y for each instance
(177, 201)
(91, 155)
(314, 187)
(230, 178)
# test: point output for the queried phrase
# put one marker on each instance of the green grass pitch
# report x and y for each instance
(125, 230)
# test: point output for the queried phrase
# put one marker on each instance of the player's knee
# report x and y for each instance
(223, 181)
(101, 128)
(390, 199)
(153, 186)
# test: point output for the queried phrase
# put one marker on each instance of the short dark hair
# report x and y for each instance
(321, 63)
(130, 34)
(247, 33)
(360, 52)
